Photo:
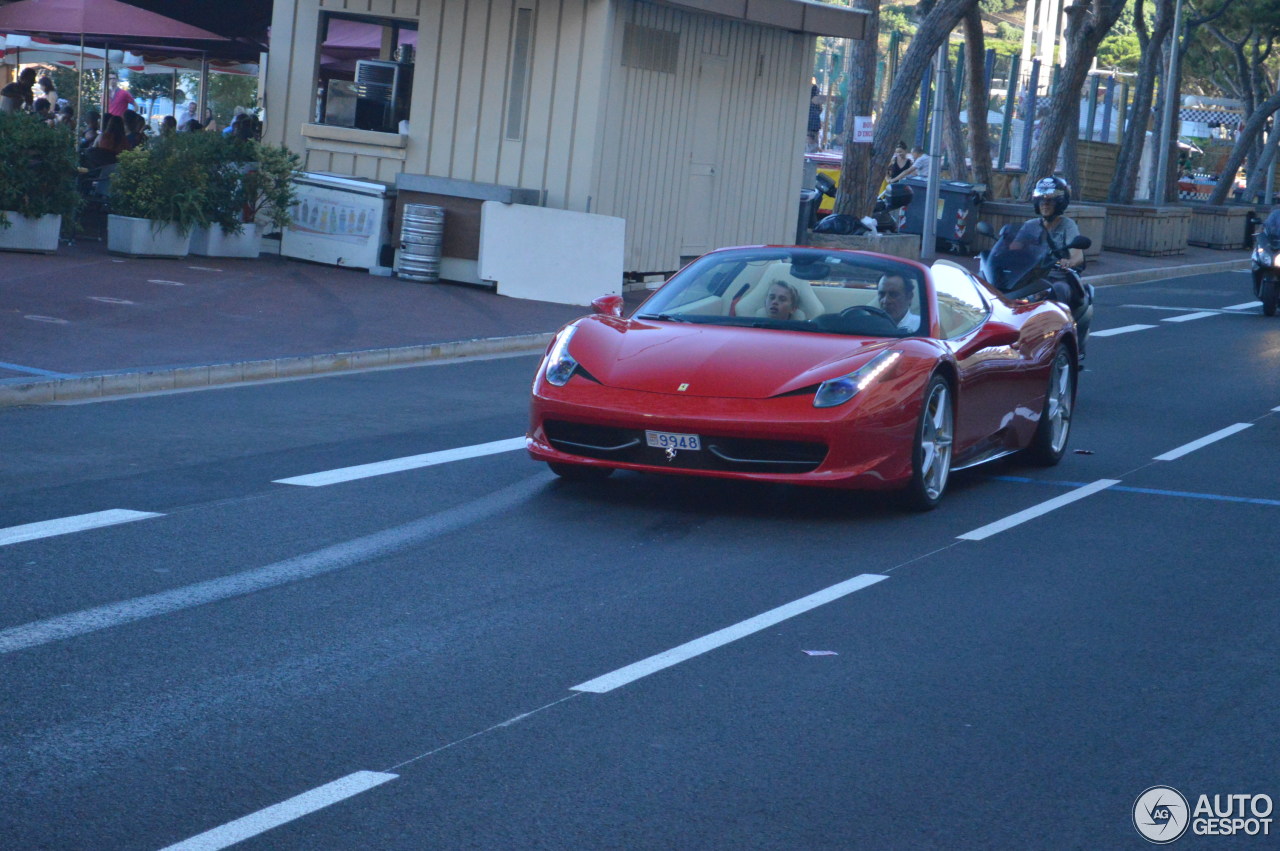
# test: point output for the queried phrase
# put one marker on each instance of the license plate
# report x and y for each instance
(672, 440)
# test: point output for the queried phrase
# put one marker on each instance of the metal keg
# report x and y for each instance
(421, 239)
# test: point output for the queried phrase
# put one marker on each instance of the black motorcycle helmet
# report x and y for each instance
(1055, 189)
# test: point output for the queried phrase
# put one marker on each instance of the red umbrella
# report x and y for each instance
(97, 19)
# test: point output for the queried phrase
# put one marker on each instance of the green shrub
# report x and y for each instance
(165, 181)
(37, 168)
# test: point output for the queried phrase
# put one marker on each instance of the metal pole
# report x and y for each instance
(1029, 118)
(1166, 124)
(929, 73)
(1093, 108)
(1010, 101)
(1106, 109)
(929, 239)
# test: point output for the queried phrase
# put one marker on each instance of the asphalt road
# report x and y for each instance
(413, 659)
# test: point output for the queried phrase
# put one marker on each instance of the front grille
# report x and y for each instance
(735, 454)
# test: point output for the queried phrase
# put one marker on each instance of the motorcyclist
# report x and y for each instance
(1050, 199)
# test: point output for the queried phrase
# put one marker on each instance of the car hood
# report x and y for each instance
(712, 360)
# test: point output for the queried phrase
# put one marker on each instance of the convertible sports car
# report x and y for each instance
(808, 366)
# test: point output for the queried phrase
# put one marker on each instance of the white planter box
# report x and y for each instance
(214, 242)
(142, 238)
(27, 234)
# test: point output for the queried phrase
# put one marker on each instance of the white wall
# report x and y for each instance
(550, 255)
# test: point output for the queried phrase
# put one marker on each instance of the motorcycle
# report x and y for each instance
(886, 212)
(1024, 265)
(1266, 254)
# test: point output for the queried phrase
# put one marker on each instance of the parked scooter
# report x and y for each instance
(1023, 265)
(1266, 254)
(887, 211)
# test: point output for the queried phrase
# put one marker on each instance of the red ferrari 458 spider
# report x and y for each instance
(808, 366)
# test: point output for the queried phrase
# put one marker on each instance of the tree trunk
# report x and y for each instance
(1252, 129)
(1258, 183)
(1135, 135)
(855, 163)
(975, 53)
(933, 31)
(1085, 32)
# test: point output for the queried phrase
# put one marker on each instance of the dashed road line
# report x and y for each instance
(67, 525)
(35, 317)
(1245, 306)
(983, 532)
(1187, 317)
(166, 283)
(688, 650)
(396, 465)
(1216, 497)
(1124, 329)
(1187, 448)
(283, 812)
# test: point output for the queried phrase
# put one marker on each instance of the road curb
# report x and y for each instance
(132, 382)
(1142, 276)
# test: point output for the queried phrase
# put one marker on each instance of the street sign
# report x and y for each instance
(863, 129)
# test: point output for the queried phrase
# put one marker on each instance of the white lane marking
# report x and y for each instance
(1123, 329)
(676, 655)
(1187, 317)
(1037, 510)
(396, 465)
(326, 560)
(106, 299)
(1276, 408)
(1186, 448)
(283, 812)
(1248, 305)
(31, 370)
(1159, 307)
(35, 317)
(204, 268)
(67, 525)
(166, 283)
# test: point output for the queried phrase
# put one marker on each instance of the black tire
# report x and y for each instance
(580, 472)
(1049, 443)
(1270, 294)
(931, 449)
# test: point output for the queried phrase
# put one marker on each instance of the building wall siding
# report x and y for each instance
(598, 136)
(649, 136)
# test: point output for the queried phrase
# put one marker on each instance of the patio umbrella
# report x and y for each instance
(98, 22)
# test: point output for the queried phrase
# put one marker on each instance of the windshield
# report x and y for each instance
(1017, 251)
(799, 289)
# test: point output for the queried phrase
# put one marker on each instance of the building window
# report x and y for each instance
(366, 72)
(518, 89)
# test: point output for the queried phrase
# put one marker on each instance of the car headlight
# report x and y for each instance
(560, 364)
(837, 391)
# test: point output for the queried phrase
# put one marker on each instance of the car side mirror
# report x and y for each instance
(992, 335)
(1082, 242)
(986, 229)
(608, 305)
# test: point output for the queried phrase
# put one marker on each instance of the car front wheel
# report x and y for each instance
(931, 454)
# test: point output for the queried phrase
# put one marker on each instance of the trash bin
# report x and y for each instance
(957, 212)
(421, 239)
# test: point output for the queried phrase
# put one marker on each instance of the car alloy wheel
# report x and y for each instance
(1049, 443)
(931, 456)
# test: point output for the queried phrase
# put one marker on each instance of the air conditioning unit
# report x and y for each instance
(383, 89)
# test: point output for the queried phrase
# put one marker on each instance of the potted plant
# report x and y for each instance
(157, 198)
(250, 187)
(37, 183)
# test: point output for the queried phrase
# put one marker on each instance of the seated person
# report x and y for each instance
(781, 300)
(17, 96)
(106, 149)
(894, 294)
